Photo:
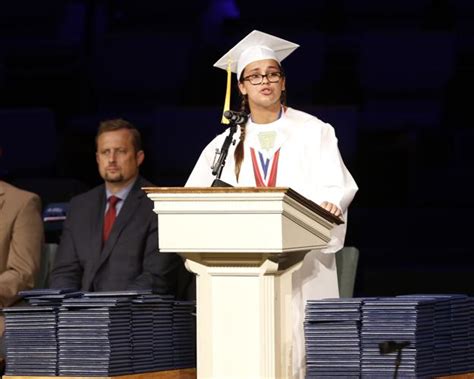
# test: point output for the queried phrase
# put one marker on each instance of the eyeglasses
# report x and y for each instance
(272, 77)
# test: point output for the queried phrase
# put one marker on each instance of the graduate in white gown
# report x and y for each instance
(281, 146)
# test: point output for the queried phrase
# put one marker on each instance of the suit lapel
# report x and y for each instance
(2, 193)
(96, 224)
(126, 214)
(2, 198)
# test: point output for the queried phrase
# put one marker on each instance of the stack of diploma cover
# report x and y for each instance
(461, 334)
(184, 334)
(406, 322)
(471, 335)
(94, 335)
(31, 333)
(152, 322)
(31, 341)
(415, 336)
(163, 334)
(453, 321)
(332, 338)
(68, 333)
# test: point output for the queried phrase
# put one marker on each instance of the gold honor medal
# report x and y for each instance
(267, 140)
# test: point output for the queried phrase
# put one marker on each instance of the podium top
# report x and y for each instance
(283, 190)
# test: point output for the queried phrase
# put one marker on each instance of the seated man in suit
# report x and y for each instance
(21, 240)
(109, 240)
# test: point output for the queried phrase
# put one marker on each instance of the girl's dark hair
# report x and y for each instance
(244, 107)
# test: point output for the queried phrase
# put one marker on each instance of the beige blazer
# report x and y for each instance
(21, 240)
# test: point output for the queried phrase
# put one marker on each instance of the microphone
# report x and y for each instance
(236, 117)
(388, 347)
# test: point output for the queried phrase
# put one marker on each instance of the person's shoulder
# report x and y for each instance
(142, 182)
(304, 117)
(20, 195)
(307, 122)
(144, 205)
(137, 190)
(88, 196)
(219, 137)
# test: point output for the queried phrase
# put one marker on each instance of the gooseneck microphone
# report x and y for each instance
(236, 117)
(388, 347)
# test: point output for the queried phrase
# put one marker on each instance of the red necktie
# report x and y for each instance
(110, 216)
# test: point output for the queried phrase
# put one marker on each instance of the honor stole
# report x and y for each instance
(259, 180)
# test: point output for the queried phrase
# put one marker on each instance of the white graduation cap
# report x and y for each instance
(254, 47)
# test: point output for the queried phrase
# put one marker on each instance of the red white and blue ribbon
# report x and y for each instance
(261, 166)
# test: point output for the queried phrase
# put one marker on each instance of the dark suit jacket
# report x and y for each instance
(128, 260)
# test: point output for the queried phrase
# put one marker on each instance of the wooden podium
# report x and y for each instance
(243, 244)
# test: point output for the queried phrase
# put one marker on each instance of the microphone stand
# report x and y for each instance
(398, 361)
(218, 165)
(388, 347)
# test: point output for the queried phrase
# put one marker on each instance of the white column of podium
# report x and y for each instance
(242, 327)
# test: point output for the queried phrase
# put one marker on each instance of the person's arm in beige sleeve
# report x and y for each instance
(24, 250)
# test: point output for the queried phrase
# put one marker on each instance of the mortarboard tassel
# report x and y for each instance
(227, 94)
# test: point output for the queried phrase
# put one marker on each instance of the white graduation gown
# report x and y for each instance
(309, 163)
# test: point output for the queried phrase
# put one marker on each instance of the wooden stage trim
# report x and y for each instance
(176, 374)
(189, 373)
